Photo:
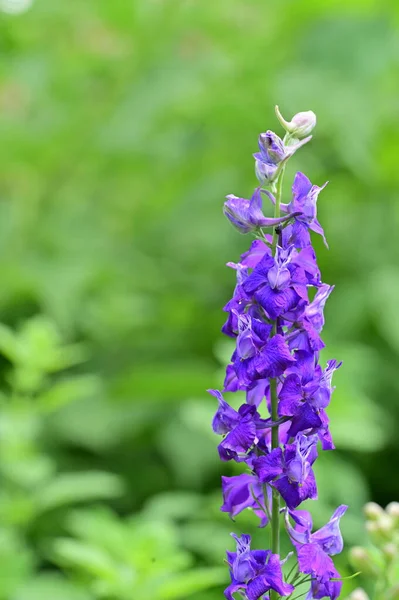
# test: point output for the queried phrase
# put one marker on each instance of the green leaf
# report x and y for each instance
(174, 505)
(51, 587)
(67, 552)
(69, 390)
(70, 488)
(197, 580)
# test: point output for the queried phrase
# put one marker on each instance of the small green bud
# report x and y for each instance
(362, 561)
(373, 511)
(358, 594)
(300, 125)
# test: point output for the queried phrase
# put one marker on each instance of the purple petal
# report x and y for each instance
(258, 276)
(314, 561)
(274, 358)
(270, 466)
(226, 417)
(329, 537)
(239, 440)
(254, 255)
(301, 186)
(290, 396)
(230, 382)
(296, 233)
(237, 211)
(257, 391)
(317, 228)
(276, 302)
(231, 589)
(237, 493)
(305, 418)
(327, 589)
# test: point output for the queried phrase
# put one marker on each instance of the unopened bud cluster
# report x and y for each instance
(379, 561)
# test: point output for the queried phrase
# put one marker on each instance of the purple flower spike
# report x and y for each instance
(275, 318)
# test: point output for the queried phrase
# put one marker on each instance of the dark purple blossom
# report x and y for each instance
(306, 393)
(257, 355)
(240, 428)
(280, 284)
(254, 572)
(290, 470)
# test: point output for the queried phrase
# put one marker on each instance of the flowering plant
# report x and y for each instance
(276, 322)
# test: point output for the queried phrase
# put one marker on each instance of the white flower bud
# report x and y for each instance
(358, 594)
(385, 523)
(373, 511)
(393, 510)
(390, 550)
(300, 125)
(361, 560)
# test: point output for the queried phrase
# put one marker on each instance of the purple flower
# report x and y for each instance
(315, 549)
(290, 470)
(239, 428)
(277, 292)
(309, 322)
(325, 589)
(273, 152)
(257, 356)
(305, 393)
(244, 491)
(255, 392)
(247, 215)
(254, 572)
(304, 201)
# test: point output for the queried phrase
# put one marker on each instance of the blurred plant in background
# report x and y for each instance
(379, 560)
(119, 125)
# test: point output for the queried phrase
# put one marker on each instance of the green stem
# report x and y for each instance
(275, 523)
(279, 189)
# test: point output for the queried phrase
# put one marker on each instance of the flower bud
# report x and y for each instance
(359, 594)
(385, 524)
(361, 560)
(393, 510)
(373, 511)
(300, 125)
(390, 551)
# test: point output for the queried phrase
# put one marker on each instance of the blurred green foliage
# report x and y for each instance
(123, 125)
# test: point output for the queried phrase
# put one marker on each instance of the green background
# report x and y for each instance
(123, 124)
